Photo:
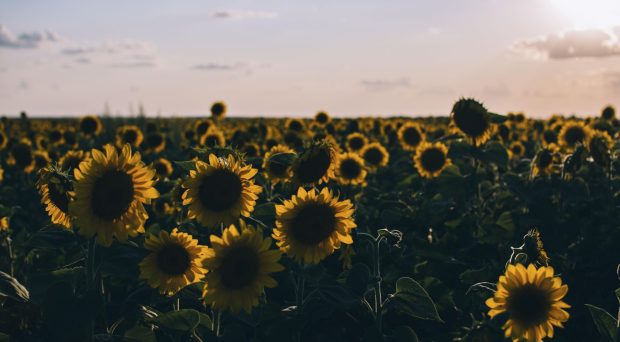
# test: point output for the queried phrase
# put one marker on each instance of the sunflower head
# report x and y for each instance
(218, 110)
(55, 189)
(240, 264)
(316, 164)
(572, 134)
(608, 113)
(295, 125)
(410, 135)
(41, 159)
(356, 141)
(322, 118)
(21, 155)
(175, 261)
(110, 191)
(250, 150)
(350, 169)
(129, 134)
(163, 167)
(312, 225)
(544, 160)
(549, 136)
(277, 165)
(533, 248)
(3, 140)
(220, 191)
(155, 142)
(201, 127)
(471, 118)
(72, 159)
(90, 125)
(532, 299)
(431, 159)
(375, 156)
(599, 145)
(213, 138)
(516, 149)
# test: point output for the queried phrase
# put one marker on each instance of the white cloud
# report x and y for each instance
(242, 14)
(381, 84)
(218, 66)
(27, 40)
(593, 43)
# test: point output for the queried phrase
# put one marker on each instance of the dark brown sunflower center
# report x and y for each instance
(373, 156)
(550, 136)
(574, 135)
(58, 197)
(350, 168)
(412, 136)
(517, 149)
(173, 260)
(322, 118)
(22, 155)
(70, 162)
(528, 305)
(471, 122)
(295, 125)
(55, 136)
(88, 125)
(218, 109)
(220, 190)
(239, 268)
(314, 167)
(202, 127)
(313, 223)
(433, 159)
(212, 140)
(276, 168)
(544, 159)
(356, 143)
(130, 136)
(161, 168)
(112, 195)
(250, 150)
(154, 140)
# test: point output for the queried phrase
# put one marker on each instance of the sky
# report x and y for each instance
(293, 58)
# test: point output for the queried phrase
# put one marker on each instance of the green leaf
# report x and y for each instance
(186, 165)
(505, 221)
(413, 299)
(285, 159)
(140, 333)
(404, 333)
(605, 323)
(10, 287)
(495, 153)
(182, 320)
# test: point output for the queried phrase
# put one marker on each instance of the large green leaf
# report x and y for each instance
(413, 299)
(606, 324)
(182, 320)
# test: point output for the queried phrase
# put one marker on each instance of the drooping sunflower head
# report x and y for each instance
(163, 167)
(431, 159)
(213, 137)
(375, 156)
(129, 134)
(410, 135)
(533, 248)
(322, 118)
(155, 142)
(350, 169)
(218, 110)
(55, 190)
(532, 298)
(275, 164)
(608, 113)
(544, 160)
(175, 261)
(240, 264)
(573, 133)
(356, 141)
(90, 125)
(110, 191)
(471, 118)
(316, 164)
(72, 159)
(220, 191)
(599, 144)
(312, 225)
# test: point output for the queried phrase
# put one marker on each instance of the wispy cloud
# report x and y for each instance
(27, 40)
(381, 84)
(218, 66)
(593, 43)
(242, 14)
(117, 54)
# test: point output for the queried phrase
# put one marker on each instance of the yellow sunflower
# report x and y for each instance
(72, 159)
(410, 135)
(55, 194)
(4, 224)
(239, 264)
(599, 144)
(213, 137)
(573, 133)
(200, 127)
(316, 164)
(431, 159)
(516, 150)
(3, 140)
(90, 125)
(218, 110)
(21, 156)
(220, 191)
(155, 142)
(471, 118)
(544, 160)
(356, 141)
(375, 155)
(350, 169)
(163, 167)
(41, 159)
(129, 134)
(110, 191)
(311, 225)
(175, 261)
(533, 300)
(322, 118)
(275, 170)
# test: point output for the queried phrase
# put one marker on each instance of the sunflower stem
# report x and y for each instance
(377, 275)
(90, 270)
(217, 319)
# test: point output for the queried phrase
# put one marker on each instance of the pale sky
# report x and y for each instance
(277, 58)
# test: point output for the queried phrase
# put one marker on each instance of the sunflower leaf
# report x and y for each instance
(11, 288)
(182, 320)
(606, 324)
(413, 299)
(497, 118)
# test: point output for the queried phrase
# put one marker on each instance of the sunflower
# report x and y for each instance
(21, 156)
(533, 300)
(110, 191)
(608, 113)
(375, 155)
(251, 150)
(431, 159)
(3, 140)
(218, 110)
(533, 248)
(311, 225)
(4, 224)
(356, 141)
(163, 167)
(549, 136)
(316, 164)
(296, 125)
(220, 191)
(350, 169)
(322, 118)
(90, 125)
(516, 149)
(471, 118)
(543, 161)
(163, 207)
(410, 135)
(276, 170)
(155, 142)
(573, 133)
(213, 137)
(72, 159)
(175, 261)
(41, 159)
(202, 126)
(55, 191)
(55, 136)
(239, 264)
(129, 134)
(599, 143)
(1, 174)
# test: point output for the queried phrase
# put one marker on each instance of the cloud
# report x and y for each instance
(30, 40)
(593, 43)
(241, 14)
(116, 54)
(218, 66)
(133, 65)
(379, 84)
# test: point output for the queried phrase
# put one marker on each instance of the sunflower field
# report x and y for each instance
(473, 227)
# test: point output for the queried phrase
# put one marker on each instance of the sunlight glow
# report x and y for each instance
(590, 13)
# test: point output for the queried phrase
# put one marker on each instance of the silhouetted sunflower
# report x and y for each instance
(322, 118)
(175, 261)
(533, 248)
(276, 170)
(573, 133)
(213, 137)
(533, 300)
(350, 169)
(431, 159)
(296, 125)
(110, 191)
(315, 165)
(240, 264)
(41, 159)
(163, 168)
(356, 141)
(129, 134)
(72, 159)
(599, 145)
(608, 113)
(55, 191)
(55, 136)
(471, 118)
(90, 125)
(220, 191)
(375, 156)
(218, 110)
(251, 150)
(410, 135)
(543, 161)
(21, 156)
(311, 225)
(202, 126)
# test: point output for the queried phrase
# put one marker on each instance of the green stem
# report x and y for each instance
(9, 247)
(377, 275)
(90, 270)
